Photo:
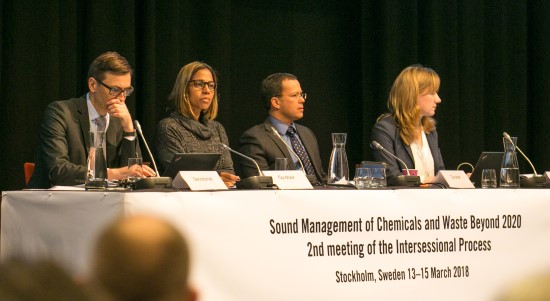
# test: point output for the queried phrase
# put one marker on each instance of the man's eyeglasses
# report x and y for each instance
(115, 91)
(297, 95)
(199, 84)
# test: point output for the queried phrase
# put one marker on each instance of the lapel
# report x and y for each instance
(431, 143)
(84, 121)
(305, 141)
(409, 151)
(280, 144)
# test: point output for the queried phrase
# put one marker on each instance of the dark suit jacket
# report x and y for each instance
(386, 132)
(262, 145)
(64, 142)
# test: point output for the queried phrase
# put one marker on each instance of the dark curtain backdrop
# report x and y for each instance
(492, 57)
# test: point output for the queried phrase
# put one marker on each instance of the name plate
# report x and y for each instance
(198, 180)
(454, 179)
(289, 179)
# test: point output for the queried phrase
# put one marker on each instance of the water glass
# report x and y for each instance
(378, 179)
(488, 178)
(282, 163)
(139, 168)
(362, 178)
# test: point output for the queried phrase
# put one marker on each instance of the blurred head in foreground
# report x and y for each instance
(142, 258)
(40, 280)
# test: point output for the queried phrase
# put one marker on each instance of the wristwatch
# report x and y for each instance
(129, 134)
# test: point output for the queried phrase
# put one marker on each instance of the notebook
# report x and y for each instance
(487, 160)
(191, 161)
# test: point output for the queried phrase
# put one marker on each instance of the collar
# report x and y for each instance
(92, 112)
(279, 126)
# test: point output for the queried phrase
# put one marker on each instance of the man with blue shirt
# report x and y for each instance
(64, 142)
(279, 136)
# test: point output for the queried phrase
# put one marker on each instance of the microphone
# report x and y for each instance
(152, 182)
(401, 180)
(288, 147)
(536, 181)
(255, 182)
(311, 178)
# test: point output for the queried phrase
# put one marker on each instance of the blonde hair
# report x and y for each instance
(412, 82)
(180, 91)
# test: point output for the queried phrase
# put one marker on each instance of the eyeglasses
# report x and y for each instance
(296, 95)
(199, 84)
(115, 91)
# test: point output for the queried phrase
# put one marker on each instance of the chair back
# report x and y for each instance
(28, 169)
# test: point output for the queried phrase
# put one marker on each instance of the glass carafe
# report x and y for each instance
(96, 177)
(509, 169)
(338, 172)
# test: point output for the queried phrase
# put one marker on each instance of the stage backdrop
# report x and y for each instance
(492, 57)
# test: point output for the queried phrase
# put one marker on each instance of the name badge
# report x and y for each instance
(198, 180)
(289, 179)
(454, 179)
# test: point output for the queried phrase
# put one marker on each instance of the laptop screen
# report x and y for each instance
(487, 160)
(191, 161)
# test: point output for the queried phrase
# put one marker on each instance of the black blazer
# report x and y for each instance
(64, 142)
(262, 145)
(386, 132)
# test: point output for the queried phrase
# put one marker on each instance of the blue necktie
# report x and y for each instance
(300, 151)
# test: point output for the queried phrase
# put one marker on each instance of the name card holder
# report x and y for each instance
(454, 179)
(198, 180)
(289, 179)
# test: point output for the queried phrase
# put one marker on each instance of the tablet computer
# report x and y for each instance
(191, 161)
(487, 160)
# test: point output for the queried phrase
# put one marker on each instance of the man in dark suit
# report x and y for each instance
(64, 143)
(284, 100)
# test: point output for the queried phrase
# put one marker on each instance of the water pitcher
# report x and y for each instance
(509, 169)
(96, 177)
(338, 172)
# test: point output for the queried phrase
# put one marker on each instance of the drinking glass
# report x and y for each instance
(378, 177)
(282, 164)
(488, 178)
(362, 178)
(132, 162)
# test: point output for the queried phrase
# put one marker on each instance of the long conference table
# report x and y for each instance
(405, 244)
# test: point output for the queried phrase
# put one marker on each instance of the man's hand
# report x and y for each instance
(125, 172)
(118, 109)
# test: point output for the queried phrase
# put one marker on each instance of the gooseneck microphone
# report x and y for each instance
(516, 147)
(401, 180)
(260, 173)
(153, 182)
(311, 178)
(138, 129)
(536, 181)
(255, 182)
(380, 147)
(289, 148)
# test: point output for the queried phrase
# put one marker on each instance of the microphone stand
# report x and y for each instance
(401, 180)
(260, 181)
(152, 182)
(311, 178)
(535, 181)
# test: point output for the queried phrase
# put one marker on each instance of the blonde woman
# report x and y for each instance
(408, 131)
(191, 128)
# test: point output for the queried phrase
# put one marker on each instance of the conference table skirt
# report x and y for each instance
(435, 244)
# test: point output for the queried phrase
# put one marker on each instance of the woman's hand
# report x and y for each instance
(229, 179)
